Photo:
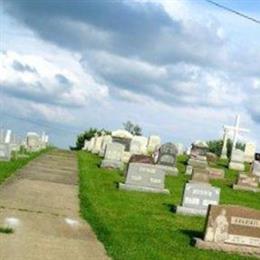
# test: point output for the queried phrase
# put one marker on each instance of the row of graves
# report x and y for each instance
(227, 227)
(12, 145)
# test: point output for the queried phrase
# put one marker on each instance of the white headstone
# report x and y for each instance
(138, 145)
(153, 142)
(250, 149)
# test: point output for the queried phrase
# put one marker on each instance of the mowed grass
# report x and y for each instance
(136, 225)
(8, 168)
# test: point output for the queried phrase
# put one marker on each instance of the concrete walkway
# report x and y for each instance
(41, 204)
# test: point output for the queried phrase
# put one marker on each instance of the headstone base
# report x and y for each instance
(245, 188)
(112, 164)
(191, 211)
(169, 171)
(123, 186)
(240, 249)
(236, 166)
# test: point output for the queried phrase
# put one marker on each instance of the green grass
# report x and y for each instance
(6, 230)
(8, 168)
(135, 225)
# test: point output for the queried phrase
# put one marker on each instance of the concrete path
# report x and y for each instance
(41, 204)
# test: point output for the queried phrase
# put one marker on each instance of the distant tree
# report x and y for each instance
(134, 129)
(87, 135)
(215, 146)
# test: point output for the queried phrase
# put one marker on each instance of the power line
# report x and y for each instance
(252, 19)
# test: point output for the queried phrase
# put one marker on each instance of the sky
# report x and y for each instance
(180, 69)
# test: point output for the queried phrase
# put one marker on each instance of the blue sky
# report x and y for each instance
(180, 69)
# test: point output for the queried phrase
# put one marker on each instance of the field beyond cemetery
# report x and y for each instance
(134, 225)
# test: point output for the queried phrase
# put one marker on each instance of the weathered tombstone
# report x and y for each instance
(113, 156)
(233, 229)
(198, 154)
(33, 142)
(126, 157)
(5, 152)
(107, 139)
(249, 152)
(215, 173)
(91, 144)
(248, 183)
(197, 197)
(144, 177)
(166, 159)
(237, 160)
(153, 142)
(138, 145)
(123, 137)
(97, 146)
(256, 165)
(86, 145)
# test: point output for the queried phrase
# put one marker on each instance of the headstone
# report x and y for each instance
(166, 159)
(144, 177)
(180, 149)
(126, 157)
(113, 156)
(237, 160)
(153, 142)
(138, 145)
(5, 152)
(33, 142)
(249, 152)
(123, 137)
(248, 183)
(107, 139)
(256, 168)
(233, 229)
(91, 144)
(215, 173)
(197, 197)
(198, 154)
(86, 145)
(98, 142)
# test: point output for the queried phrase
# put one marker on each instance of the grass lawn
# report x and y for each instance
(8, 168)
(135, 225)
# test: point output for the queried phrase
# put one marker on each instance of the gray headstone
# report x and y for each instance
(197, 197)
(166, 159)
(113, 155)
(144, 177)
(5, 152)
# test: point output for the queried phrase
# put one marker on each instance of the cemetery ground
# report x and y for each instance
(137, 225)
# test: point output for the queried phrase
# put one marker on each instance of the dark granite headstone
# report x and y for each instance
(5, 152)
(167, 155)
(257, 156)
(166, 159)
(233, 229)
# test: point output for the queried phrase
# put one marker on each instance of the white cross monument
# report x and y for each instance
(235, 129)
